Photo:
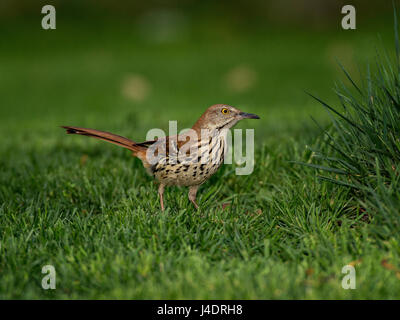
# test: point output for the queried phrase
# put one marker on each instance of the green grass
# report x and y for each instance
(89, 209)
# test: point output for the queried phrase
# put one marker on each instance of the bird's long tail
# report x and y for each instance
(106, 136)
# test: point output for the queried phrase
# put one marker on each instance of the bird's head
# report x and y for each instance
(222, 116)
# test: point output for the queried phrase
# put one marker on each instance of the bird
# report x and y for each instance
(187, 159)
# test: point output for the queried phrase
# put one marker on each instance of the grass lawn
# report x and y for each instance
(89, 209)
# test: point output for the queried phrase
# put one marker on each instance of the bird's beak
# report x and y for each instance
(244, 115)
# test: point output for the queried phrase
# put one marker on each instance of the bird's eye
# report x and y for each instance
(225, 111)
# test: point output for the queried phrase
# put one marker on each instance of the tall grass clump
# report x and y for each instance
(362, 145)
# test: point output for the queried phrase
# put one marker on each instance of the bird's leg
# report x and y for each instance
(161, 195)
(192, 195)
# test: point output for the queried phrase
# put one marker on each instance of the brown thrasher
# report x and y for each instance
(188, 159)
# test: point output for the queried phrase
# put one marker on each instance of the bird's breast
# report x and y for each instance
(192, 169)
